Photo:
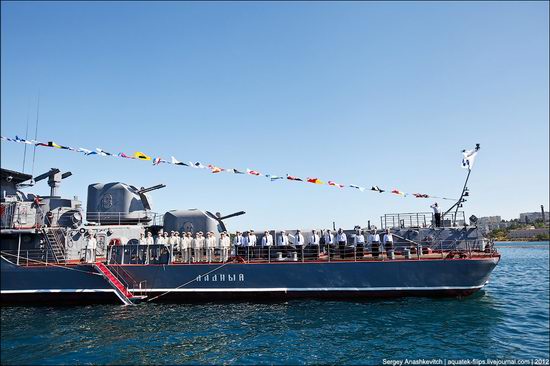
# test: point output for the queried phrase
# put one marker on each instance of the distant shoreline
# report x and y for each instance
(529, 240)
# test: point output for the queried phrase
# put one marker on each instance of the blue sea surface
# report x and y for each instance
(509, 319)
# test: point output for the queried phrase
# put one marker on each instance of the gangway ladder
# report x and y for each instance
(55, 244)
(122, 292)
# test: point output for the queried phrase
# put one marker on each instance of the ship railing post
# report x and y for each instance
(27, 258)
(354, 253)
(302, 253)
(47, 257)
(18, 249)
(269, 254)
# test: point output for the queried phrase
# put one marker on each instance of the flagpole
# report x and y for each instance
(457, 204)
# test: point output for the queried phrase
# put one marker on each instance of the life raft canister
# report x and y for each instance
(115, 241)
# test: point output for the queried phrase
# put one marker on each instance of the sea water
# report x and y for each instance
(508, 320)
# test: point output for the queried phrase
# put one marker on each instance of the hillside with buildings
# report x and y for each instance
(531, 226)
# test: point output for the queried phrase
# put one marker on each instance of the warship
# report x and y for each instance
(44, 260)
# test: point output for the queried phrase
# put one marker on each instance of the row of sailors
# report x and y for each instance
(248, 238)
(315, 238)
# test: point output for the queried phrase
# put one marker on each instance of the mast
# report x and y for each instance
(465, 191)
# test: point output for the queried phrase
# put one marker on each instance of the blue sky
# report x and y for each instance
(363, 93)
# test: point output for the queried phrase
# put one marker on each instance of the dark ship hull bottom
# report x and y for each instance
(188, 283)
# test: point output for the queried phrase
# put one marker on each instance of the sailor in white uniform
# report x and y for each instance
(149, 240)
(210, 244)
(185, 246)
(374, 242)
(198, 246)
(174, 241)
(142, 240)
(160, 238)
(91, 249)
(223, 245)
(267, 239)
(314, 238)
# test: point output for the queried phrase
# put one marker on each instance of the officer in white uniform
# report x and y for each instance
(329, 241)
(282, 240)
(388, 241)
(359, 243)
(252, 242)
(267, 243)
(314, 238)
(342, 242)
(142, 240)
(313, 243)
(437, 214)
(237, 243)
(298, 239)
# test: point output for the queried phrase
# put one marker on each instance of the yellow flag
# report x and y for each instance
(141, 156)
(53, 144)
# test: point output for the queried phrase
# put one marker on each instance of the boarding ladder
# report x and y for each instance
(121, 291)
(55, 244)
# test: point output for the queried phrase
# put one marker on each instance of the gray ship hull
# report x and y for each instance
(250, 281)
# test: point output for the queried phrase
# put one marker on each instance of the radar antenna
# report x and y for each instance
(54, 176)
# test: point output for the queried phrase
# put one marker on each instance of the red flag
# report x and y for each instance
(252, 172)
(315, 181)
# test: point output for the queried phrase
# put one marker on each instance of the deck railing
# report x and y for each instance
(429, 249)
(420, 220)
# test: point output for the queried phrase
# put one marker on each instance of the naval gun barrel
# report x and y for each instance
(231, 215)
(145, 190)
